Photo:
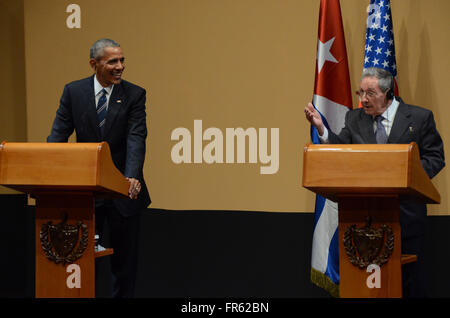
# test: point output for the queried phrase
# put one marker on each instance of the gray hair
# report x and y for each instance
(385, 78)
(97, 48)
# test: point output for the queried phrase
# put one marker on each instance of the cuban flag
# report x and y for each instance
(332, 98)
(379, 50)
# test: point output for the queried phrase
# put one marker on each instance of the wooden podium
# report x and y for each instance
(366, 182)
(64, 178)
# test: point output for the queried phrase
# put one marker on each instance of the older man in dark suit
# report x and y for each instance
(103, 107)
(387, 119)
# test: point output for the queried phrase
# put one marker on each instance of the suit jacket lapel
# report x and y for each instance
(401, 123)
(115, 103)
(366, 128)
(91, 108)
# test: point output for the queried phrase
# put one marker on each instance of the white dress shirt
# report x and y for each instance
(98, 89)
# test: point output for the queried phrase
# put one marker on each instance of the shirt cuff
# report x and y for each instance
(324, 138)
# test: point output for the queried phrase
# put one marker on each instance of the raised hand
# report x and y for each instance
(313, 116)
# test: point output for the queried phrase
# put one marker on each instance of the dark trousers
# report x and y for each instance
(123, 235)
(414, 275)
(414, 223)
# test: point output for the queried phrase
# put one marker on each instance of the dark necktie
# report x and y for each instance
(101, 111)
(380, 134)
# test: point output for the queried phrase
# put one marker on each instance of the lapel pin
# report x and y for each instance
(120, 101)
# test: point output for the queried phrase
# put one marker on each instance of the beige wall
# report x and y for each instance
(13, 124)
(230, 63)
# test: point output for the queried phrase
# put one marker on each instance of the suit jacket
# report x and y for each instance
(411, 123)
(125, 130)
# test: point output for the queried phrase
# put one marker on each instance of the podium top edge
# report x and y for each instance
(97, 146)
(361, 147)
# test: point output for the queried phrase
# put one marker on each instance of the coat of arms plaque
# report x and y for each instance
(368, 245)
(60, 241)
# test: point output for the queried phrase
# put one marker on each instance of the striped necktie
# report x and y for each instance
(101, 111)
(380, 134)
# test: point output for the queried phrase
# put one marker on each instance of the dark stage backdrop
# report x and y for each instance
(207, 254)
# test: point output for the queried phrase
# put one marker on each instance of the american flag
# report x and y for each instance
(380, 50)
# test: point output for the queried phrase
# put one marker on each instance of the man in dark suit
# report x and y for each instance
(387, 119)
(103, 107)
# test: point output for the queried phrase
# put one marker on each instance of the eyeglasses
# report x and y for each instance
(369, 94)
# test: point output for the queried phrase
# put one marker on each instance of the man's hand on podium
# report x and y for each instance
(135, 188)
